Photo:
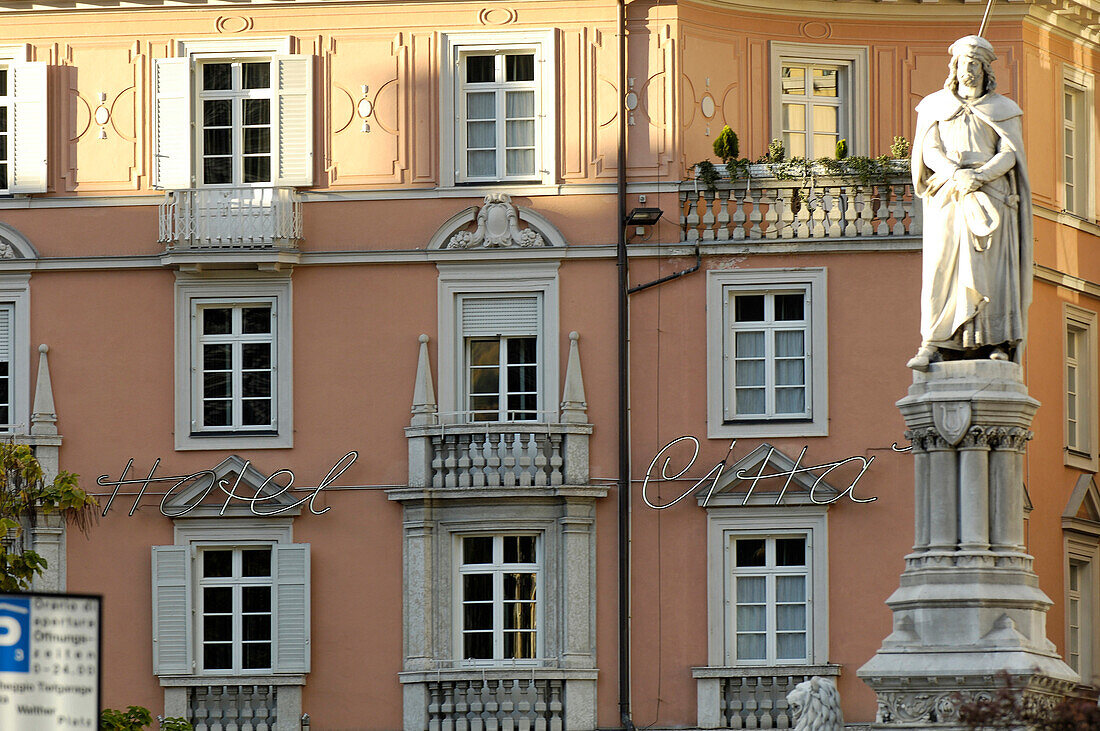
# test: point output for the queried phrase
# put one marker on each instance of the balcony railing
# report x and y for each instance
(817, 207)
(529, 704)
(744, 697)
(231, 218)
(233, 706)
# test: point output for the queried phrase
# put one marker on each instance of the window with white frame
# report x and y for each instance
(1081, 551)
(1080, 396)
(7, 367)
(233, 114)
(498, 330)
(235, 591)
(233, 363)
(766, 346)
(15, 350)
(819, 97)
(500, 87)
(1078, 615)
(770, 585)
(1077, 121)
(23, 123)
(498, 578)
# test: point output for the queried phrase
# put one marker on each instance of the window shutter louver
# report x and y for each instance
(172, 123)
(292, 608)
(6, 347)
(29, 125)
(295, 119)
(492, 316)
(171, 610)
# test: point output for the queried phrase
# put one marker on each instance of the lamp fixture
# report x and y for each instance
(643, 217)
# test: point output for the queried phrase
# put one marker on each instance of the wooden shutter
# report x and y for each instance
(29, 126)
(291, 608)
(172, 610)
(172, 125)
(294, 102)
(492, 316)
(7, 313)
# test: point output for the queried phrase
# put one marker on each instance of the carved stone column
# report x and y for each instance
(969, 605)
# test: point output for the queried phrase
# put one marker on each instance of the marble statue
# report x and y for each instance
(815, 706)
(969, 169)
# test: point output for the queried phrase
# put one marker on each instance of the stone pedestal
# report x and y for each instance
(969, 606)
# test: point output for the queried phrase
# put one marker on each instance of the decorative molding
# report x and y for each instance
(497, 16)
(233, 23)
(497, 227)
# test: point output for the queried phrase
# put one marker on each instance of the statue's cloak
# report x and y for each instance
(1005, 117)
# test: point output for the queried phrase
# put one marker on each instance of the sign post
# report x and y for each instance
(49, 662)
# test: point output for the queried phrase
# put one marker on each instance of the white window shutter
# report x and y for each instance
(294, 103)
(6, 345)
(171, 610)
(493, 316)
(172, 129)
(28, 89)
(292, 608)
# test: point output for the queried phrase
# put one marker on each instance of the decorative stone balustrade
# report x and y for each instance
(744, 697)
(816, 208)
(480, 702)
(231, 218)
(216, 707)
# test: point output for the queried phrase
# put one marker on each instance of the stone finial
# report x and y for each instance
(574, 408)
(497, 226)
(44, 414)
(423, 407)
(815, 705)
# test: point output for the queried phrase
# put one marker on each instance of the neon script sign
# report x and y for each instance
(183, 483)
(753, 479)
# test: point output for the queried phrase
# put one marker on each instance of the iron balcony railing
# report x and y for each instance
(231, 218)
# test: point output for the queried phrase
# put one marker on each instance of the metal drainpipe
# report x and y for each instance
(624, 403)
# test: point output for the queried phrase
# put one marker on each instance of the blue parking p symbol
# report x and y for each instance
(15, 635)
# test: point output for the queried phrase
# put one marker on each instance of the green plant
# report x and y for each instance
(25, 496)
(726, 145)
(776, 152)
(900, 148)
(841, 148)
(707, 174)
(137, 718)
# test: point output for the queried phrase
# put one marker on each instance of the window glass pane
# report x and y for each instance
(256, 412)
(1074, 574)
(216, 385)
(751, 647)
(256, 598)
(790, 646)
(257, 655)
(218, 627)
(477, 587)
(519, 615)
(520, 104)
(825, 82)
(215, 413)
(480, 69)
(256, 627)
(481, 163)
(477, 616)
(256, 384)
(749, 344)
(217, 657)
(751, 618)
(789, 344)
(790, 307)
(519, 67)
(520, 162)
(217, 113)
(794, 80)
(217, 76)
(790, 617)
(795, 144)
(749, 373)
(794, 117)
(484, 381)
(481, 135)
(485, 408)
(256, 319)
(257, 169)
(748, 308)
(217, 320)
(217, 141)
(522, 378)
(477, 549)
(750, 401)
(481, 105)
(1067, 101)
(478, 645)
(217, 600)
(484, 352)
(519, 645)
(254, 355)
(750, 552)
(217, 357)
(519, 586)
(825, 145)
(790, 588)
(3, 82)
(521, 134)
(787, 373)
(1071, 343)
(790, 551)
(522, 350)
(256, 112)
(217, 564)
(257, 140)
(519, 549)
(256, 562)
(217, 170)
(790, 400)
(256, 75)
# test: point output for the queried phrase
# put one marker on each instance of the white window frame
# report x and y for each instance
(453, 46)
(459, 281)
(497, 569)
(1086, 556)
(721, 285)
(234, 582)
(1085, 454)
(232, 291)
(853, 88)
(32, 172)
(1082, 85)
(15, 293)
(235, 93)
(724, 525)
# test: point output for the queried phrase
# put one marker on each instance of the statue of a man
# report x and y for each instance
(969, 168)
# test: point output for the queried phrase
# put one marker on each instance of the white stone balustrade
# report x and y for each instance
(816, 208)
(231, 218)
(244, 707)
(747, 697)
(480, 702)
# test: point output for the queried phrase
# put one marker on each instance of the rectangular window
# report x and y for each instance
(5, 129)
(7, 352)
(498, 584)
(235, 606)
(1074, 614)
(502, 357)
(498, 100)
(235, 360)
(770, 360)
(1080, 396)
(1076, 132)
(771, 594)
(814, 113)
(235, 99)
(1076, 437)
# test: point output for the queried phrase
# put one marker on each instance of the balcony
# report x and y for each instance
(817, 208)
(751, 697)
(259, 226)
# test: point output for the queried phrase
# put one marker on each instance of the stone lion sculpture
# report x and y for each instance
(815, 706)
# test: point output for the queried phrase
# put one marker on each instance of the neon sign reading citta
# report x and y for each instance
(195, 479)
(753, 479)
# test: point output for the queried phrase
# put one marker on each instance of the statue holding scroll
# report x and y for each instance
(969, 168)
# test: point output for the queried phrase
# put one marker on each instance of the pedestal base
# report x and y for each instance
(968, 610)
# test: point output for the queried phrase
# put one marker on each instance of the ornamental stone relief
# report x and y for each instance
(497, 227)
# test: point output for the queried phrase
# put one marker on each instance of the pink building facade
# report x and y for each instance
(259, 237)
